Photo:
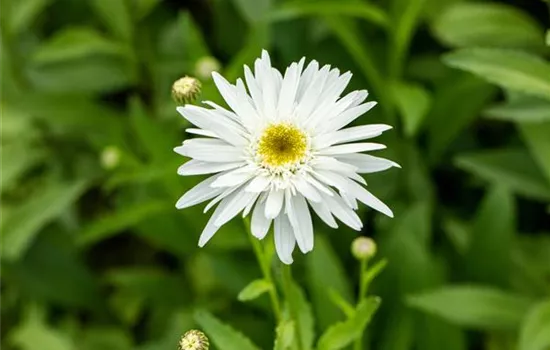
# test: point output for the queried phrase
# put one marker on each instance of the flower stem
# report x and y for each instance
(266, 270)
(358, 345)
(293, 309)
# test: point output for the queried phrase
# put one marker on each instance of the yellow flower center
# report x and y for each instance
(282, 144)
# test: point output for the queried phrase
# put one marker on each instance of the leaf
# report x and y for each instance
(325, 272)
(512, 168)
(527, 109)
(122, 219)
(548, 37)
(23, 13)
(21, 227)
(74, 43)
(534, 333)
(473, 306)
(284, 335)
(506, 68)
(344, 333)
(367, 11)
(17, 158)
(374, 271)
(537, 138)
(341, 303)
(413, 103)
(467, 24)
(305, 318)
(254, 289)
(116, 16)
(105, 338)
(253, 11)
(222, 335)
(492, 234)
(142, 8)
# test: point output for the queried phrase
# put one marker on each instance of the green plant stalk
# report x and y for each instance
(358, 345)
(287, 287)
(266, 270)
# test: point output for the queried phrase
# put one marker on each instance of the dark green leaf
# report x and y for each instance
(17, 158)
(254, 289)
(534, 333)
(221, 334)
(537, 137)
(413, 103)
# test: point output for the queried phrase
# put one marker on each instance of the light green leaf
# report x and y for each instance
(413, 103)
(526, 109)
(344, 333)
(74, 43)
(473, 306)
(117, 221)
(116, 16)
(341, 303)
(221, 334)
(506, 68)
(253, 11)
(254, 289)
(534, 334)
(537, 137)
(375, 270)
(305, 318)
(514, 169)
(284, 335)
(367, 11)
(20, 228)
(23, 13)
(473, 24)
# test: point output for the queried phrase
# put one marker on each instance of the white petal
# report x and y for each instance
(211, 228)
(254, 90)
(343, 212)
(348, 116)
(321, 187)
(260, 223)
(306, 189)
(250, 204)
(225, 193)
(230, 115)
(258, 184)
(306, 79)
(322, 211)
(274, 203)
(200, 193)
(288, 91)
(210, 150)
(311, 96)
(351, 148)
(350, 134)
(366, 163)
(369, 199)
(234, 178)
(330, 163)
(239, 201)
(332, 178)
(300, 219)
(197, 167)
(322, 117)
(214, 121)
(201, 132)
(284, 239)
(350, 200)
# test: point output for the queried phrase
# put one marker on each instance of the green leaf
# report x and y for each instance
(143, 7)
(116, 16)
(74, 43)
(105, 338)
(253, 11)
(325, 272)
(254, 289)
(527, 109)
(17, 158)
(508, 69)
(467, 24)
(473, 306)
(23, 13)
(534, 333)
(537, 137)
(514, 169)
(375, 270)
(115, 222)
(24, 223)
(341, 303)
(367, 11)
(548, 37)
(305, 319)
(492, 235)
(221, 334)
(284, 335)
(413, 103)
(344, 333)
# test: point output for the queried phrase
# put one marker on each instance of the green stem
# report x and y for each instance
(287, 287)
(358, 345)
(266, 270)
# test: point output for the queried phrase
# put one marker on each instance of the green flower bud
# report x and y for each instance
(194, 340)
(363, 248)
(205, 66)
(186, 90)
(110, 157)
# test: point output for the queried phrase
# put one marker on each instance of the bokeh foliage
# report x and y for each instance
(95, 256)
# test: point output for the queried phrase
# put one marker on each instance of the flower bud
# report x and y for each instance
(110, 157)
(363, 248)
(194, 340)
(186, 90)
(205, 66)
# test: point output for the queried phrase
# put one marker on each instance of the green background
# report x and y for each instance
(95, 256)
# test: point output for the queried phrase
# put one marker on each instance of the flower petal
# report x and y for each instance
(322, 211)
(200, 193)
(198, 167)
(284, 239)
(351, 148)
(300, 219)
(366, 163)
(260, 223)
(274, 203)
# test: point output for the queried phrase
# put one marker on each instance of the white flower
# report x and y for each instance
(281, 150)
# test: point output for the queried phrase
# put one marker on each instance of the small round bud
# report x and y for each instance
(186, 90)
(205, 66)
(363, 248)
(194, 340)
(110, 157)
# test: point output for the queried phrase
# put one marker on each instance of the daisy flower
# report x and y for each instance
(281, 150)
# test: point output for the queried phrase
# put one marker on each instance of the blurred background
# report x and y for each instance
(95, 255)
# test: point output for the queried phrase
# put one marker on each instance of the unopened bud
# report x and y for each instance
(186, 90)
(205, 66)
(110, 157)
(194, 340)
(363, 248)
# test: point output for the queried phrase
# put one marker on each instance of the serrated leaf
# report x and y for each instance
(527, 109)
(534, 333)
(24, 223)
(254, 289)
(116, 16)
(221, 334)
(508, 69)
(305, 320)
(512, 168)
(537, 138)
(284, 335)
(344, 333)
(467, 24)
(413, 103)
(475, 307)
